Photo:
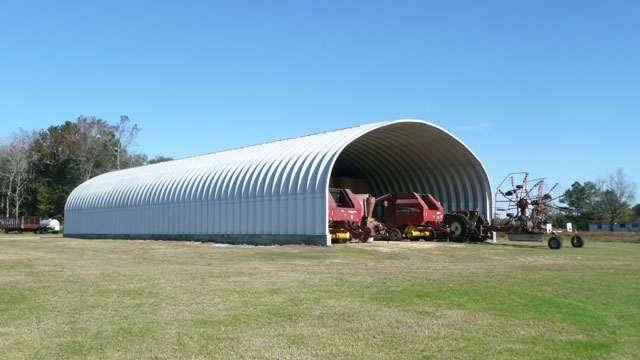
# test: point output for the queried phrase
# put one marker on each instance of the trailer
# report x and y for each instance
(49, 225)
(20, 224)
(554, 242)
(30, 223)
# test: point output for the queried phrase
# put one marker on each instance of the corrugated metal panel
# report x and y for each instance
(278, 188)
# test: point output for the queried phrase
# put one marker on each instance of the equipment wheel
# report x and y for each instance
(459, 226)
(577, 241)
(432, 236)
(476, 234)
(394, 235)
(555, 243)
(410, 236)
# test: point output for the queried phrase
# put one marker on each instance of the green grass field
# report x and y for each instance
(69, 298)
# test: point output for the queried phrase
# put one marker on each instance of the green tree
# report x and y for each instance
(636, 211)
(615, 194)
(580, 202)
(56, 165)
(48, 199)
(158, 159)
(63, 156)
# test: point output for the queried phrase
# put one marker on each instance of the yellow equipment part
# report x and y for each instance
(412, 231)
(339, 234)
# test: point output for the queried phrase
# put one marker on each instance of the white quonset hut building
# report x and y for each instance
(277, 193)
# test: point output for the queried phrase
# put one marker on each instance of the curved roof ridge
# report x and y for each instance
(276, 141)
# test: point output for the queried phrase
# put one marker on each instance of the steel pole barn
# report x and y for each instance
(276, 193)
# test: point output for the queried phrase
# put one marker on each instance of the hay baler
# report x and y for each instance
(412, 215)
(350, 216)
(406, 215)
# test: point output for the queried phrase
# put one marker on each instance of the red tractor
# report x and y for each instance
(467, 225)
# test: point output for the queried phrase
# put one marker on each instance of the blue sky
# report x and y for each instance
(552, 87)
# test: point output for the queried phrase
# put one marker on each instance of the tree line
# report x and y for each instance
(40, 168)
(608, 200)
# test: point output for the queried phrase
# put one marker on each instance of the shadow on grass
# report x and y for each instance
(539, 245)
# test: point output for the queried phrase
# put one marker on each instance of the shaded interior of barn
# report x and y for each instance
(411, 157)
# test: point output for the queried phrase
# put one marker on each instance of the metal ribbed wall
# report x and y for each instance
(276, 192)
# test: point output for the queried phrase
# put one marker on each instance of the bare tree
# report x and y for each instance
(124, 136)
(5, 179)
(88, 139)
(615, 196)
(15, 169)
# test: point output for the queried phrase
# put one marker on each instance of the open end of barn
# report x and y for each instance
(413, 157)
(277, 193)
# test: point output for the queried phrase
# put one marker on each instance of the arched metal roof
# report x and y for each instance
(276, 192)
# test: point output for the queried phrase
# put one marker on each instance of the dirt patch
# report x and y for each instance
(383, 246)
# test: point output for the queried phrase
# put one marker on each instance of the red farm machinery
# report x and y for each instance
(527, 206)
(413, 216)
(406, 215)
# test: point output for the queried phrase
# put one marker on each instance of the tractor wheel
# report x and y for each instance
(577, 241)
(410, 236)
(555, 243)
(459, 226)
(394, 235)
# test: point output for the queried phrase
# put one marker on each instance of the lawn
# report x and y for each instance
(69, 298)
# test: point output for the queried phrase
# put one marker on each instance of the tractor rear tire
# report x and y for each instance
(555, 243)
(459, 226)
(577, 241)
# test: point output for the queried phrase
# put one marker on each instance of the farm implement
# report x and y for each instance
(407, 215)
(413, 216)
(527, 206)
